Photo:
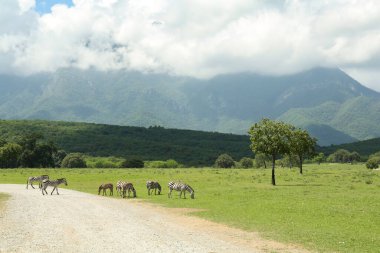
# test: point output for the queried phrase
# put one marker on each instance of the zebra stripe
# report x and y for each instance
(124, 187)
(54, 183)
(152, 185)
(38, 179)
(181, 187)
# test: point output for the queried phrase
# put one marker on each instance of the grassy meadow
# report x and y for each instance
(331, 208)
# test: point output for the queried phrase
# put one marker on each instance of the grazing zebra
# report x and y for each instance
(128, 187)
(181, 187)
(119, 187)
(54, 183)
(104, 187)
(150, 185)
(36, 179)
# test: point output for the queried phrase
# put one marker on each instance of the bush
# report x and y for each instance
(373, 163)
(163, 164)
(224, 161)
(133, 163)
(74, 160)
(246, 162)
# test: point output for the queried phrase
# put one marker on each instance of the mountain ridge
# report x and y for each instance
(326, 100)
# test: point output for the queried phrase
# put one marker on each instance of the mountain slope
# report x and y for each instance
(327, 98)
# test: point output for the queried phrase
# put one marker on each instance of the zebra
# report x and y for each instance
(127, 187)
(119, 187)
(36, 179)
(104, 187)
(150, 185)
(181, 187)
(54, 183)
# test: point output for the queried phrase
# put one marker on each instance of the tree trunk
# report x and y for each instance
(301, 160)
(273, 164)
(265, 164)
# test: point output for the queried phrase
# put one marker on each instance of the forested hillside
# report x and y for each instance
(192, 148)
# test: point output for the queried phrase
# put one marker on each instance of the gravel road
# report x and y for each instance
(79, 222)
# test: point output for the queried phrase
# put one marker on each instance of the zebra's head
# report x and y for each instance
(63, 180)
(134, 192)
(192, 195)
(159, 188)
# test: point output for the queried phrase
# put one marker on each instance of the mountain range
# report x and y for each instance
(331, 105)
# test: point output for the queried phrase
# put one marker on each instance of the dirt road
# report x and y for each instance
(80, 222)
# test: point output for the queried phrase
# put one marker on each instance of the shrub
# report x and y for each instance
(224, 161)
(132, 163)
(163, 164)
(246, 162)
(373, 163)
(74, 160)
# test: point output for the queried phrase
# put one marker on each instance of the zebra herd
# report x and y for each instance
(122, 187)
(44, 182)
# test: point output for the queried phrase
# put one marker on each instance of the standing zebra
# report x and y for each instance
(150, 185)
(36, 179)
(104, 187)
(54, 183)
(119, 187)
(181, 187)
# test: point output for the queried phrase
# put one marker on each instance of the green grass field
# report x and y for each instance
(329, 208)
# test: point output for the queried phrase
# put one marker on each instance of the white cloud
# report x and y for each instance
(26, 5)
(197, 38)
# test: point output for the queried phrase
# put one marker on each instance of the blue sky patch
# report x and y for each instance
(44, 6)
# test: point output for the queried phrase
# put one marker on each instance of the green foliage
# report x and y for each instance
(302, 145)
(343, 156)
(319, 158)
(224, 161)
(163, 164)
(271, 138)
(103, 162)
(261, 160)
(289, 161)
(9, 155)
(132, 163)
(246, 162)
(373, 163)
(74, 160)
(58, 157)
(365, 148)
(193, 148)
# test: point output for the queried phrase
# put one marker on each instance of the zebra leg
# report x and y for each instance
(170, 193)
(55, 187)
(27, 184)
(31, 184)
(44, 189)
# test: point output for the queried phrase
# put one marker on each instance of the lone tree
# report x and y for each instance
(271, 138)
(302, 145)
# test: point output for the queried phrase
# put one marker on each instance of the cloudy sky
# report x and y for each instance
(192, 37)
